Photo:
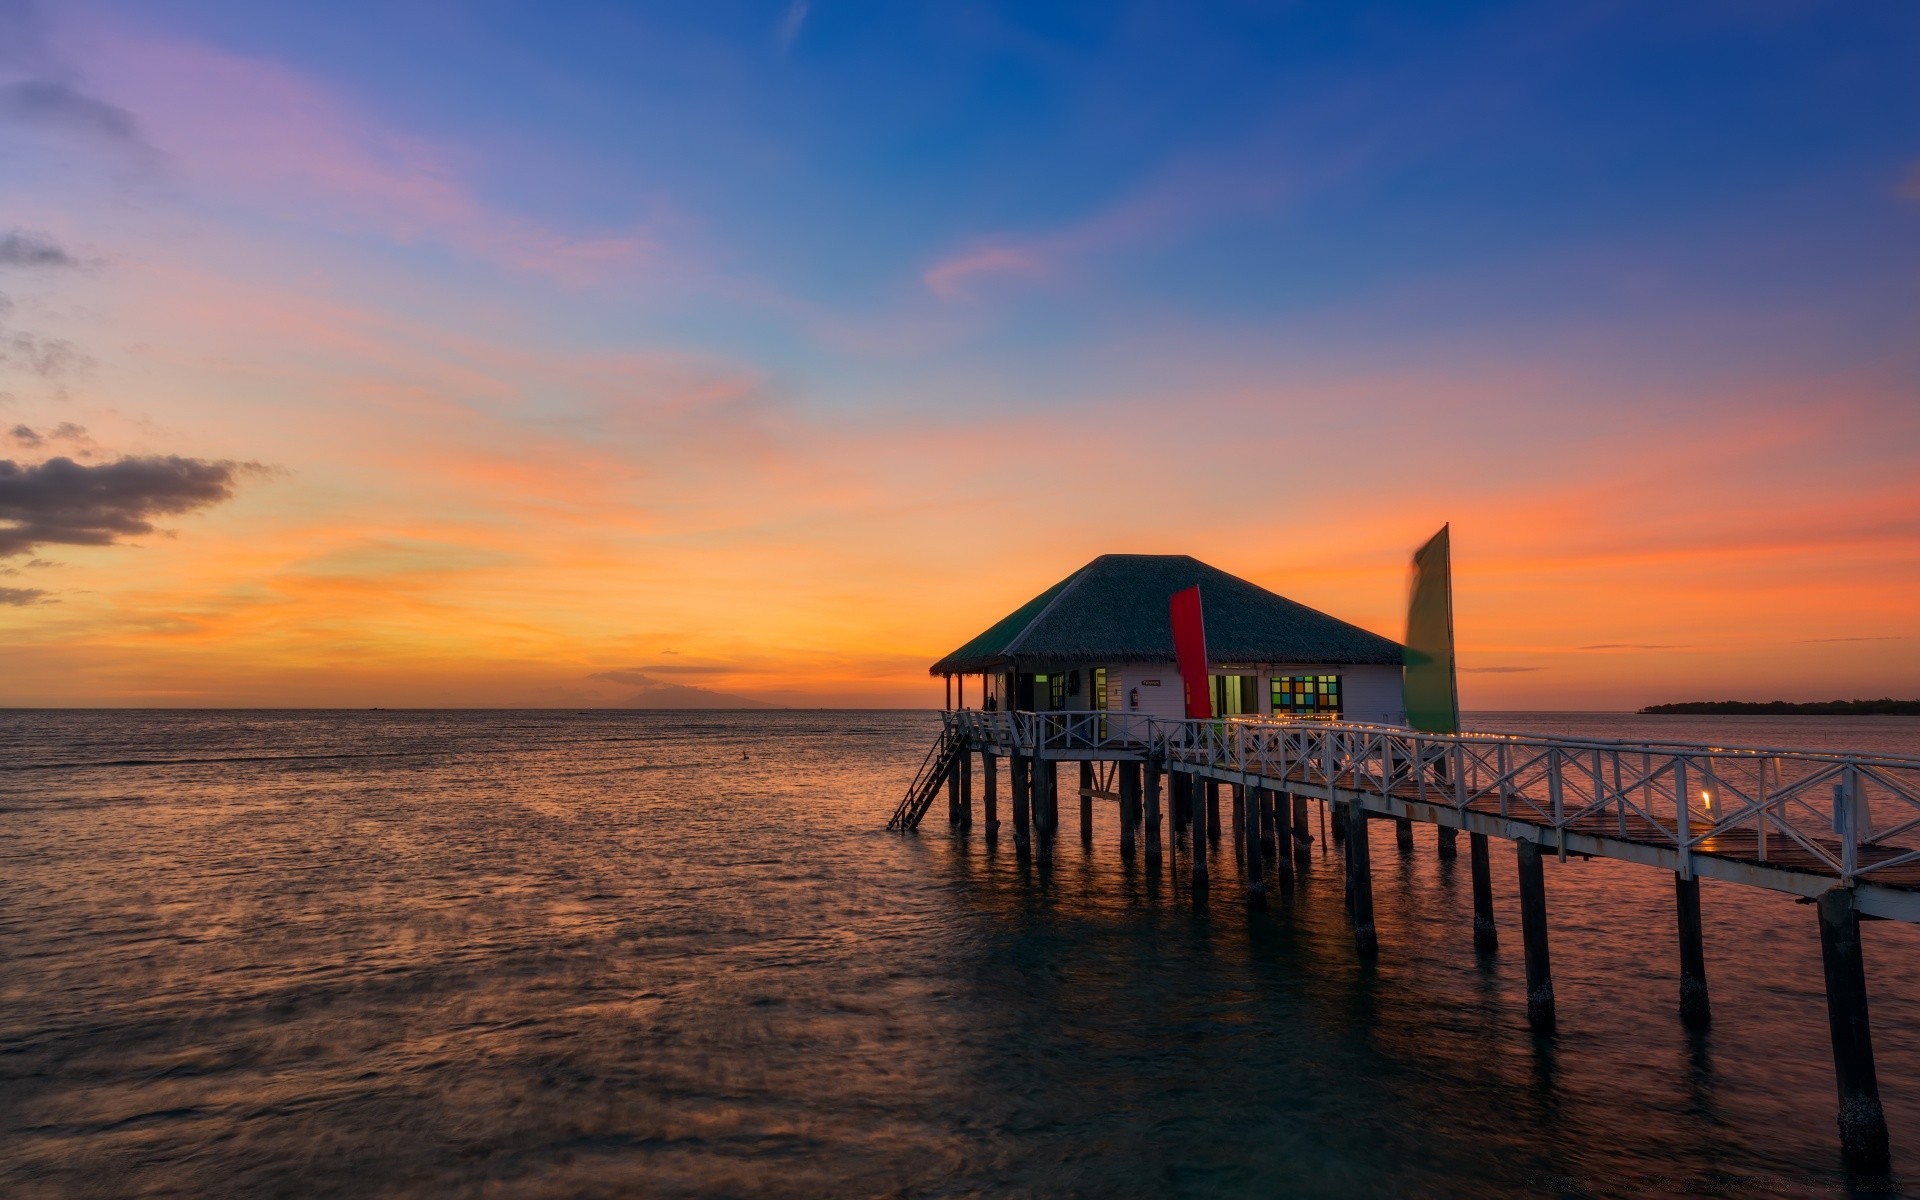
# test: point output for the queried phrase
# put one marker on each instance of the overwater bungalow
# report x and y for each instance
(1100, 640)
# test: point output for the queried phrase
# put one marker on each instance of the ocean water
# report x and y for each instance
(676, 954)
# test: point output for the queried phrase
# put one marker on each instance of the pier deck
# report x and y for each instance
(1835, 829)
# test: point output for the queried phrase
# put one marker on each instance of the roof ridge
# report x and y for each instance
(1013, 643)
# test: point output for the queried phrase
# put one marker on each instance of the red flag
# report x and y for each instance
(1190, 648)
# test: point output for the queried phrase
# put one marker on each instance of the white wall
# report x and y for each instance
(1166, 700)
(1368, 693)
(1372, 694)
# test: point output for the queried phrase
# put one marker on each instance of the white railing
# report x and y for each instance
(1852, 814)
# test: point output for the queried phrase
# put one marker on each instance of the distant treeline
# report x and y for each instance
(1782, 708)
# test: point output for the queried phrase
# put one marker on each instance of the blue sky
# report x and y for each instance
(860, 304)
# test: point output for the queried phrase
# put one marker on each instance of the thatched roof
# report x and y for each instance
(1114, 610)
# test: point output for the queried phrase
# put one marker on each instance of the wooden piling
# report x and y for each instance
(1046, 806)
(1238, 820)
(1695, 1008)
(966, 789)
(1020, 768)
(1199, 837)
(1152, 773)
(1249, 808)
(1129, 806)
(990, 780)
(1533, 936)
(953, 791)
(1486, 934)
(1086, 802)
(1447, 839)
(1403, 834)
(1213, 810)
(1360, 881)
(1863, 1123)
(1302, 831)
(1273, 806)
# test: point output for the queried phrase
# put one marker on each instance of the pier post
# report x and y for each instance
(1020, 769)
(1486, 934)
(1863, 1123)
(1238, 820)
(1046, 805)
(1213, 810)
(1152, 773)
(1272, 816)
(1180, 800)
(1129, 805)
(1447, 839)
(1533, 935)
(1249, 807)
(1302, 831)
(990, 780)
(1199, 812)
(1338, 813)
(953, 791)
(1086, 802)
(1695, 1009)
(966, 789)
(1360, 881)
(1403, 834)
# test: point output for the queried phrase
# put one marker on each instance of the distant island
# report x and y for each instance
(1784, 708)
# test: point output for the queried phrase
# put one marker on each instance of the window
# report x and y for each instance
(1099, 687)
(1059, 683)
(1306, 695)
(1235, 695)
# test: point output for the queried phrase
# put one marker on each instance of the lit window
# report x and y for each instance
(1306, 695)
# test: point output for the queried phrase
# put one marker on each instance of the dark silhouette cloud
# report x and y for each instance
(49, 358)
(22, 249)
(642, 676)
(61, 107)
(20, 596)
(61, 502)
(28, 438)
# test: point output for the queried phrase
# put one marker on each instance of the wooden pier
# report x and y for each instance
(1837, 830)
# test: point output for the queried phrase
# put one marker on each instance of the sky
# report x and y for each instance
(577, 354)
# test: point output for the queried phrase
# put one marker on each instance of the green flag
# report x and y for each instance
(1427, 683)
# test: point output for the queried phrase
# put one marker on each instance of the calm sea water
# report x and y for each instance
(599, 954)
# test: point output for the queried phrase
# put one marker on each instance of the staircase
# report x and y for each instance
(934, 769)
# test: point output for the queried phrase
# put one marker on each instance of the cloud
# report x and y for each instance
(26, 437)
(789, 28)
(22, 249)
(258, 132)
(643, 676)
(1633, 646)
(1498, 670)
(62, 108)
(948, 277)
(61, 502)
(18, 597)
(1882, 638)
(49, 358)
(655, 694)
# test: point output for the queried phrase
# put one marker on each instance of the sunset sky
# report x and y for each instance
(497, 354)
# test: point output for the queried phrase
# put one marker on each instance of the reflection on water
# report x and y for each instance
(599, 954)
